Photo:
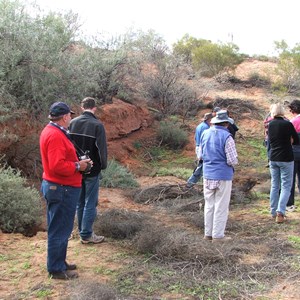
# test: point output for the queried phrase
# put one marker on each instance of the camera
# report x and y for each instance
(89, 166)
(85, 156)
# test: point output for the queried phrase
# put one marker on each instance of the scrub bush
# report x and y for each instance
(172, 135)
(117, 176)
(20, 205)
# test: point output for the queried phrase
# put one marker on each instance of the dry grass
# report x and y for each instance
(120, 224)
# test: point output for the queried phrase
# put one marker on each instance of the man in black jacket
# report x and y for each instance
(89, 137)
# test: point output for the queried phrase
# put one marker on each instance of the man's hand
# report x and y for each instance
(85, 165)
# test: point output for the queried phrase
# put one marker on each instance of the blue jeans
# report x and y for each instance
(197, 174)
(87, 205)
(61, 208)
(281, 180)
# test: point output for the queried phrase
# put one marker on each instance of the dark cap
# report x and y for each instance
(58, 109)
(216, 109)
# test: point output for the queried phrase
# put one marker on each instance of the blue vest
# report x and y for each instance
(213, 154)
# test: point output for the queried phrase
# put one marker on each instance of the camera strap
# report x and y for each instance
(79, 151)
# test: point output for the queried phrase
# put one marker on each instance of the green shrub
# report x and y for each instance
(20, 206)
(116, 175)
(172, 135)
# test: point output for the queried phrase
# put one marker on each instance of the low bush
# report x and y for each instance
(20, 206)
(172, 135)
(117, 176)
(120, 224)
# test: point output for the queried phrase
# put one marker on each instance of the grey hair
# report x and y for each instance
(277, 110)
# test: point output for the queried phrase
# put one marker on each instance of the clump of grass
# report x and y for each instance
(295, 240)
(182, 173)
(86, 290)
(117, 176)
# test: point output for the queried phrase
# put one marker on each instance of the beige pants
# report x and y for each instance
(216, 209)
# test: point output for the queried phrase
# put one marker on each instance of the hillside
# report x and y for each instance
(260, 263)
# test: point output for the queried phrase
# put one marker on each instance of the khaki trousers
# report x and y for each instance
(216, 209)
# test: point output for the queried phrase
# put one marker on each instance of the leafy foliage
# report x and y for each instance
(32, 52)
(20, 206)
(115, 175)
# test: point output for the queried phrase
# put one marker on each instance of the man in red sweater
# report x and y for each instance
(61, 188)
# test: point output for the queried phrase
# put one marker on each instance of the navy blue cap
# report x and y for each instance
(58, 109)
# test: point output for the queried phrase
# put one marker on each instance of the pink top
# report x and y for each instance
(296, 123)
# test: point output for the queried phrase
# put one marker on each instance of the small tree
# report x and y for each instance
(289, 66)
(185, 47)
(166, 89)
(212, 59)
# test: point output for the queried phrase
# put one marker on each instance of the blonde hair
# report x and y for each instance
(277, 110)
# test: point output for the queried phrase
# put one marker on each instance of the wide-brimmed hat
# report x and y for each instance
(221, 116)
(58, 109)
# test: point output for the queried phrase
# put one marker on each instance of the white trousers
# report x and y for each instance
(216, 209)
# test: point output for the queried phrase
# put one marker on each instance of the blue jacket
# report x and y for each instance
(213, 154)
(199, 130)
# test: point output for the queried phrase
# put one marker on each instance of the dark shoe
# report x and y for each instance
(65, 275)
(280, 218)
(70, 267)
(207, 237)
(94, 239)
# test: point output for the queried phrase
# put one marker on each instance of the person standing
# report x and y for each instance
(294, 107)
(198, 171)
(60, 187)
(88, 134)
(281, 135)
(219, 155)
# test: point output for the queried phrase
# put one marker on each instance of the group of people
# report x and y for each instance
(75, 151)
(282, 141)
(217, 156)
(73, 154)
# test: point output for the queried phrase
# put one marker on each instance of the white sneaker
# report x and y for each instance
(291, 208)
(94, 239)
